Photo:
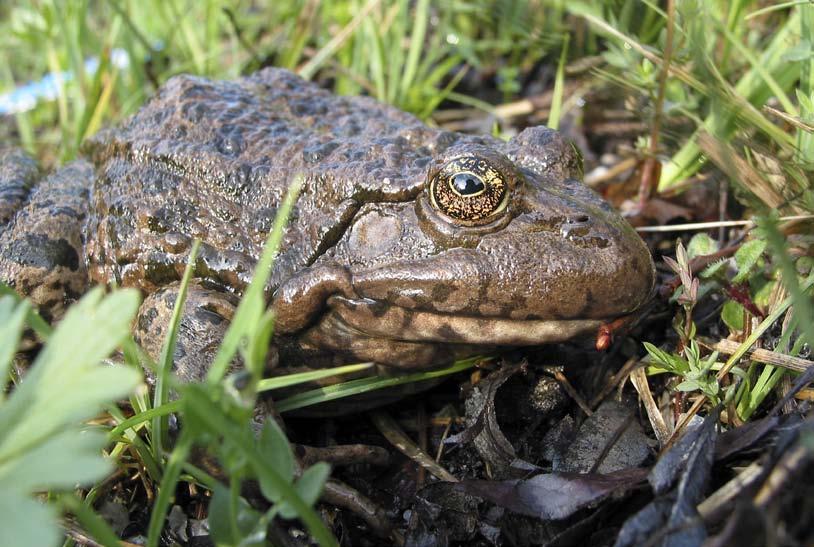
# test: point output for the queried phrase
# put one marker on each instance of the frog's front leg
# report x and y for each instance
(41, 244)
(204, 321)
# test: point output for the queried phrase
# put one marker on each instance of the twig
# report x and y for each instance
(723, 498)
(761, 355)
(793, 120)
(388, 427)
(612, 172)
(715, 224)
(73, 531)
(566, 385)
(639, 380)
(339, 455)
(613, 382)
(617, 434)
(790, 462)
(442, 443)
(345, 496)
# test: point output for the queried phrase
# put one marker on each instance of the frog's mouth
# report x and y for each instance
(389, 321)
(391, 335)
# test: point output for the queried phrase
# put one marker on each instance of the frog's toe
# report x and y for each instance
(204, 321)
(300, 300)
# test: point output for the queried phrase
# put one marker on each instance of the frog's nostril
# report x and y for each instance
(575, 227)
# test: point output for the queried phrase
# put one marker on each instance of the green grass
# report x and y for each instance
(371, 47)
(735, 97)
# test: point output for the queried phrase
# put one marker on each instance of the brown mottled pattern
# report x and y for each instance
(41, 249)
(213, 159)
(200, 332)
(18, 173)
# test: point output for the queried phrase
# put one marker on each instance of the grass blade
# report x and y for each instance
(166, 492)
(421, 16)
(168, 351)
(559, 85)
(278, 382)
(252, 304)
(366, 385)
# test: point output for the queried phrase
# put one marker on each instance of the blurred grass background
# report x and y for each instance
(736, 69)
(411, 54)
(729, 59)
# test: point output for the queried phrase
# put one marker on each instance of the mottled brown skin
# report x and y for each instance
(370, 268)
(41, 231)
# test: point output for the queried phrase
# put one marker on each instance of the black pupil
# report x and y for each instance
(467, 184)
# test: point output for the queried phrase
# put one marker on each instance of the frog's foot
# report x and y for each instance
(302, 298)
(41, 252)
(204, 321)
(18, 175)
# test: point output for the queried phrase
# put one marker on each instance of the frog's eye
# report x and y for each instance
(469, 191)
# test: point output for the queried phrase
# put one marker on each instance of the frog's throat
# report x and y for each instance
(394, 322)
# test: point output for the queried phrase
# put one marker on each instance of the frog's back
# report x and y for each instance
(212, 160)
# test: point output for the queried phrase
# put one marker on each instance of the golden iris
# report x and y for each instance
(469, 190)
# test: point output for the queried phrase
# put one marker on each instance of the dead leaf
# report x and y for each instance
(679, 480)
(557, 495)
(483, 429)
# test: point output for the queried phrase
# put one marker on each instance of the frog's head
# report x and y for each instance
(502, 246)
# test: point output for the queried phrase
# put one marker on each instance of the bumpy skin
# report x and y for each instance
(41, 231)
(369, 268)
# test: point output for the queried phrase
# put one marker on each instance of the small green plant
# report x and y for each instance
(697, 374)
(686, 295)
(748, 287)
(44, 445)
(746, 280)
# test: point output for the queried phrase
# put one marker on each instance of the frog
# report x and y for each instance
(408, 245)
